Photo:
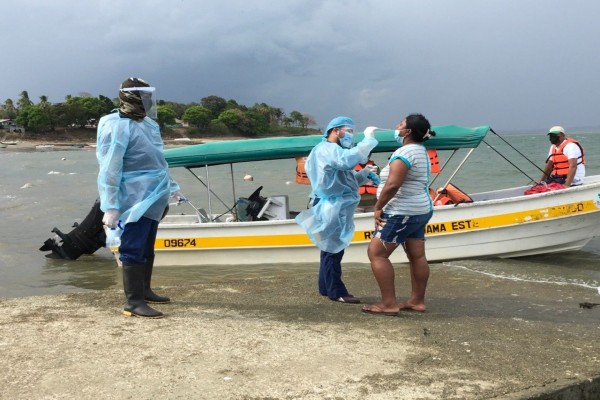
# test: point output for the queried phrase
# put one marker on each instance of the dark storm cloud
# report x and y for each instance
(511, 64)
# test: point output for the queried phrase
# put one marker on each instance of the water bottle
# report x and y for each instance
(113, 236)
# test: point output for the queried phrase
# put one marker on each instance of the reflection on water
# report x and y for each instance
(85, 273)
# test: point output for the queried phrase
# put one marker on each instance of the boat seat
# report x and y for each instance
(276, 207)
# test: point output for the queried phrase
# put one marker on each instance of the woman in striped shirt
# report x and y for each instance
(402, 211)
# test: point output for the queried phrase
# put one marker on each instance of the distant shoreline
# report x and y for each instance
(62, 144)
(87, 137)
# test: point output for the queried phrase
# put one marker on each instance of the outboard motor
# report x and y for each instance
(255, 203)
(85, 238)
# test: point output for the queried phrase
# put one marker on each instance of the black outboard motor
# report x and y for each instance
(86, 238)
(255, 204)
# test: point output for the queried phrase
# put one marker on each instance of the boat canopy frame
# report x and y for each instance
(448, 137)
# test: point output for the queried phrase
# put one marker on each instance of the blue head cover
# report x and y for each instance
(337, 122)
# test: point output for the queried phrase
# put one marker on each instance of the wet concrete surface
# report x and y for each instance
(274, 337)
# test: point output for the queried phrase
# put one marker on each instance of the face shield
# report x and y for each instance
(348, 139)
(148, 99)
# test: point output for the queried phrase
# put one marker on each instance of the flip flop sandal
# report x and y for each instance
(381, 312)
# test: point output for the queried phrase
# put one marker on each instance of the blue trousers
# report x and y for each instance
(330, 275)
(137, 241)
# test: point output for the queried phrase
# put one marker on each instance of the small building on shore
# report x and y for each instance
(10, 125)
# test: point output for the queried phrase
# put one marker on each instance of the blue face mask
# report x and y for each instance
(346, 141)
(397, 136)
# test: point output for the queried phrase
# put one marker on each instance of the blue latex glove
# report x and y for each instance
(374, 178)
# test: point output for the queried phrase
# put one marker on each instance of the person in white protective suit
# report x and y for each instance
(329, 223)
(134, 186)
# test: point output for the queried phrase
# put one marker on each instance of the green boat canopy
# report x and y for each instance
(448, 137)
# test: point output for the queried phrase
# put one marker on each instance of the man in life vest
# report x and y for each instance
(566, 161)
(368, 191)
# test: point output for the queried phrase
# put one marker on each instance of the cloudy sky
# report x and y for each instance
(512, 64)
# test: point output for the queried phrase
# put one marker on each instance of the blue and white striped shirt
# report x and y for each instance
(412, 197)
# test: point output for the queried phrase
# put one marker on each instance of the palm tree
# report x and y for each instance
(24, 101)
(9, 109)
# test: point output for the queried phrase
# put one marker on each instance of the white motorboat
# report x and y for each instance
(500, 223)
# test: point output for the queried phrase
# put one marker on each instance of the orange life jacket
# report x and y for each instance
(560, 160)
(439, 200)
(301, 176)
(434, 161)
(368, 188)
(449, 195)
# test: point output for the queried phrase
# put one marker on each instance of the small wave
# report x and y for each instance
(549, 280)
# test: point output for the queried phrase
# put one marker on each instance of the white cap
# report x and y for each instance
(556, 130)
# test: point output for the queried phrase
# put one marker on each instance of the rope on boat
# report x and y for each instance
(515, 149)
(511, 163)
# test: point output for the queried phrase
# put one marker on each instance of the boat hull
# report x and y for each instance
(493, 226)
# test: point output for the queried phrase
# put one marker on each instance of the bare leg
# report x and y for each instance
(419, 274)
(383, 270)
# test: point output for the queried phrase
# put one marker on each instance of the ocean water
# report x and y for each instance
(43, 190)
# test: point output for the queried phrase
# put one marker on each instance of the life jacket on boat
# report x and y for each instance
(439, 199)
(434, 161)
(369, 187)
(301, 176)
(542, 188)
(560, 160)
(449, 195)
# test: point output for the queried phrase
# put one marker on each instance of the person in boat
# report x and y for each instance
(368, 191)
(134, 186)
(566, 162)
(402, 211)
(329, 223)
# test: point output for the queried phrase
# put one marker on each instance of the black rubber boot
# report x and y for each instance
(133, 285)
(149, 295)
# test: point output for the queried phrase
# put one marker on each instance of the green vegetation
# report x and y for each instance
(213, 116)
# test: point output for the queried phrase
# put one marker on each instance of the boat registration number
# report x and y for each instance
(179, 242)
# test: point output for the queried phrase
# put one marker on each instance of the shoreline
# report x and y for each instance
(74, 144)
(275, 337)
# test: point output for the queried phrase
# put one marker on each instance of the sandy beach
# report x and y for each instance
(273, 337)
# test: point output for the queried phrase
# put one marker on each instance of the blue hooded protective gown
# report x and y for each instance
(134, 175)
(330, 168)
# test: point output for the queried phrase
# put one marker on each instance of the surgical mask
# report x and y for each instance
(554, 139)
(346, 141)
(397, 136)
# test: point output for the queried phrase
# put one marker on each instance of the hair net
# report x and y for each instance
(337, 122)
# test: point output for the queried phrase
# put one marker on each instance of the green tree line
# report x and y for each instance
(212, 114)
